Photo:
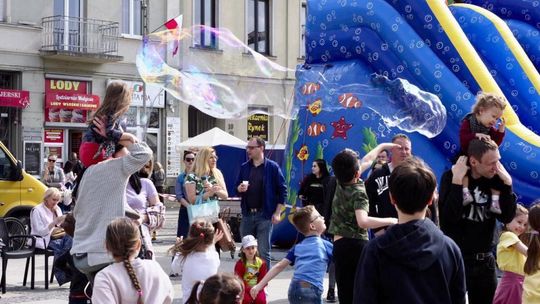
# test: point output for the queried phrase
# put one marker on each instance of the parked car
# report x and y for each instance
(19, 191)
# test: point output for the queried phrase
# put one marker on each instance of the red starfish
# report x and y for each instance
(340, 128)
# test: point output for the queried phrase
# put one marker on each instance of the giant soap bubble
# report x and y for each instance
(223, 91)
(398, 103)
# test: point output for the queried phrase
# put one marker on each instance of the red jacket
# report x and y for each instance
(240, 270)
(466, 135)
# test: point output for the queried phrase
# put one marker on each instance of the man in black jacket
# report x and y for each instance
(413, 261)
(472, 226)
(377, 183)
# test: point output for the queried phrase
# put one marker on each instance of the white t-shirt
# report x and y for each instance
(113, 285)
(198, 266)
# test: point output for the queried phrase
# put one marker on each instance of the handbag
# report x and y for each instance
(156, 216)
(226, 243)
(206, 210)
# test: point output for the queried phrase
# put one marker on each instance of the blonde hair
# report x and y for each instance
(52, 192)
(201, 167)
(488, 100)
(302, 218)
(116, 102)
(123, 241)
(520, 210)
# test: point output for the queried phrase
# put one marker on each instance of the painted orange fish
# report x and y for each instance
(303, 154)
(315, 129)
(310, 88)
(315, 107)
(348, 100)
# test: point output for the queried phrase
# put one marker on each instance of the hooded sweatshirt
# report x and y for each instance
(412, 262)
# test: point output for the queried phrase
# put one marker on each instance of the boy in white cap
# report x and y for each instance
(310, 259)
(251, 269)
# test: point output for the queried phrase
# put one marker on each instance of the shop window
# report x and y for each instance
(199, 122)
(2, 10)
(131, 17)
(9, 115)
(205, 13)
(67, 33)
(258, 25)
(136, 122)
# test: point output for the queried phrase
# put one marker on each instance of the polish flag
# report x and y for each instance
(175, 24)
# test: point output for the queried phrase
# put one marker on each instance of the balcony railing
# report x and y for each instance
(79, 36)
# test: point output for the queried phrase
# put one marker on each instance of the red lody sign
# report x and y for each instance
(71, 101)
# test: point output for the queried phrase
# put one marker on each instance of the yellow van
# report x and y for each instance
(19, 191)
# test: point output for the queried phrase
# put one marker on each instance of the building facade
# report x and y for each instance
(58, 57)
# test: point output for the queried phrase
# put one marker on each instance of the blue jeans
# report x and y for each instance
(302, 292)
(261, 228)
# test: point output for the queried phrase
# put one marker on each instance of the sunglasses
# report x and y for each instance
(52, 160)
(189, 159)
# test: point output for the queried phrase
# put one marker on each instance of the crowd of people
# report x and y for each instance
(391, 239)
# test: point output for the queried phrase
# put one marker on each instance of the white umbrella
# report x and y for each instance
(211, 138)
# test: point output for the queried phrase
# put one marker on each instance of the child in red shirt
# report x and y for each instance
(251, 269)
(485, 122)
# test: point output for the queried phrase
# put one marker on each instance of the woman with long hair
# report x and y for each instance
(206, 180)
(313, 186)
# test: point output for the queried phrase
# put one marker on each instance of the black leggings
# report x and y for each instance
(347, 252)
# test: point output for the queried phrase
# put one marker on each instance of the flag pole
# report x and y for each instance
(145, 27)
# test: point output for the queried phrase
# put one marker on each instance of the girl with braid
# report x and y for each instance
(196, 257)
(129, 279)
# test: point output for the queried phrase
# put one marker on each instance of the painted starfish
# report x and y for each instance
(340, 128)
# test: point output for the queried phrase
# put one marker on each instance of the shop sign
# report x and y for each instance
(32, 157)
(67, 101)
(257, 125)
(60, 85)
(174, 157)
(155, 96)
(72, 101)
(54, 136)
(14, 98)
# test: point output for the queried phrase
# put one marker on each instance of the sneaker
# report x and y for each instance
(467, 197)
(331, 296)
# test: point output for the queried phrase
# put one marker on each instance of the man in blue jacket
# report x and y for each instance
(262, 188)
(413, 261)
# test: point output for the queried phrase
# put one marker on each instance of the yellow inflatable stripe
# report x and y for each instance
(477, 68)
(512, 44)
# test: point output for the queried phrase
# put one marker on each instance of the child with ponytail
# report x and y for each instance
(511, 255)
(531, 284)
(129, 279)
(195, 257)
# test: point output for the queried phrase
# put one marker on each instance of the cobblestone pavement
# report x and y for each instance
(16, 293)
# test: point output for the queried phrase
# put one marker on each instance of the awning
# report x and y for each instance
(14, 98)
(71, 101)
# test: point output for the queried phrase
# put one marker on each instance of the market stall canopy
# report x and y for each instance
(211, 138)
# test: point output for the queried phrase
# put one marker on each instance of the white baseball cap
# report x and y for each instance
(249, 240)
